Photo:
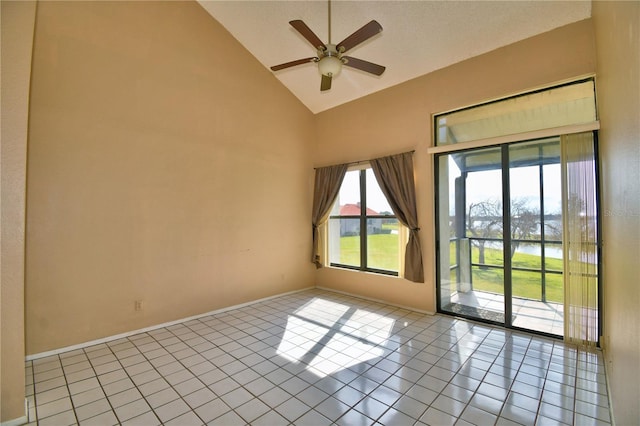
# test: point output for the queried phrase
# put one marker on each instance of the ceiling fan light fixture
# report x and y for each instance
(330, 66)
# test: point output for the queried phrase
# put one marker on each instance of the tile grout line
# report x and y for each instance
(171, 386)
(135, 385)
(35, 403)
(467, 404)
(187, 368)
(66, 382)
(113, 410)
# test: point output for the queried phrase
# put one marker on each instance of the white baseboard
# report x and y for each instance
(386, 302)
(217, 311)
(151, 328)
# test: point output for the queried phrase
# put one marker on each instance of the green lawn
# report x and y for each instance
(382, 254)
(525, 283)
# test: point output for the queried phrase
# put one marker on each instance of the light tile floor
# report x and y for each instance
(321, 358)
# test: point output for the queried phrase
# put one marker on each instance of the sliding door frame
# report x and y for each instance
(506, 237)
(507, 240)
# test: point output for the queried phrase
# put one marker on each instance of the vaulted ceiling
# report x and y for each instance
(418, 37)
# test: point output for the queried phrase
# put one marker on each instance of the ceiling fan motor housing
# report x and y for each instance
(330, 62)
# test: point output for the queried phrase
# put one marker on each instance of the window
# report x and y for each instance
(570, 104)
(364, 234)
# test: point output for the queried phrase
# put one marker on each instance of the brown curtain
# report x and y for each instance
(395, 177)
(326, 188)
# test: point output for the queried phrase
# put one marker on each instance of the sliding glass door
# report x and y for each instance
(501, 221)
(471, 262)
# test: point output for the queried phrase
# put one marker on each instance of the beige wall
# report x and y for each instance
(399, 119)
(166, 164)
(617, 30)
(17, 25)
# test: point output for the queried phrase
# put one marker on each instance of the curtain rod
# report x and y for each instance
(353, 163)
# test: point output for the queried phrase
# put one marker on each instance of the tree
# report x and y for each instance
(484, 220)
(525, 222)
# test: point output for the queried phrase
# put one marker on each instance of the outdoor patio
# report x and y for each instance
(546, 317)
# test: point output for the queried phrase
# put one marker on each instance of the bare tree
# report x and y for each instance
(484, 220)
(553, 229)
(525, 222)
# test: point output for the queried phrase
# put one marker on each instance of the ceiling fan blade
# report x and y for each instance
(369, 67)
(325, 84)
(364, 33)
(292, 63)
(308, 34)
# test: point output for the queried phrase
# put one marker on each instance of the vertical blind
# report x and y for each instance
(580, 238)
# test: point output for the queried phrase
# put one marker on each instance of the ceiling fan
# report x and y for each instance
(331, 56)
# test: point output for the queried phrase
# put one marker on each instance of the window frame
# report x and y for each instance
(504, 141)
(363, 221)
(499, 138)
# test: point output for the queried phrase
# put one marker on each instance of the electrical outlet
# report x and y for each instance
(138, 305)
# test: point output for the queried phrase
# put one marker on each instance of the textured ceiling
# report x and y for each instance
(418, 37)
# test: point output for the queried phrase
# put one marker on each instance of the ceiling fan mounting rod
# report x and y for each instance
(329, 1)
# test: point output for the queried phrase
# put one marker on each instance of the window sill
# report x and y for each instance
(373, 272)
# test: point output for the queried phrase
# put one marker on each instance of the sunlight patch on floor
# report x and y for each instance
(328, 337)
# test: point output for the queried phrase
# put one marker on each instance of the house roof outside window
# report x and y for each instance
(354, 210)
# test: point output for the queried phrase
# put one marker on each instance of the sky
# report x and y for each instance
(487, 185)
(481, 186)
(350, 191)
